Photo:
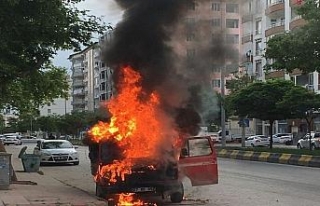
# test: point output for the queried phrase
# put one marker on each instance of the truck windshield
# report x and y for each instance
(109, 151)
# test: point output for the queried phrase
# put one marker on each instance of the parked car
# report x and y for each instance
(257, 140)
(304, 142)
(229, 137)
(57, 151)
(16, 140)
(1, 138)
(282, 138)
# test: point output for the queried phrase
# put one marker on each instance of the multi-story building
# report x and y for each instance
(84, 78)
(106, 88)
(207, 24)
(91, 77)
(261, 20)
(77, 69)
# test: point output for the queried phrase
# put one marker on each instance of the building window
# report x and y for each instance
(258, 27)
(232, 23)
(192, 5)
(103, 86)
(216, 22)
(215, 68)
(190, 21)
(232, 38)
(216, 83)
(190, 36)
(215, 6)
(49, 111)
(258, 68)
(191, 53)
(103, 97)
(103, 75)
(232, 8)
(259, 47)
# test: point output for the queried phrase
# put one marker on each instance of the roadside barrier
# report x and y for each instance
(291, 159)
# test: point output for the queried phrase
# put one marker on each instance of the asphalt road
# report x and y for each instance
(241, 183)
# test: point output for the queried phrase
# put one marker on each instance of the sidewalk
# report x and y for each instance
(37, 189)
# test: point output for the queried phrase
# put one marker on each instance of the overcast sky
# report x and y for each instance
(106, 8)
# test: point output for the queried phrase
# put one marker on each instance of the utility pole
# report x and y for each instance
(222, 73)
(223, 112)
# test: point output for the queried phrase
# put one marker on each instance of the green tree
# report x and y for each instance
(31, 34)
(299, 48)
(2, 123)
(48, 124)
(239, 82)
(302, 104)
(259, 100)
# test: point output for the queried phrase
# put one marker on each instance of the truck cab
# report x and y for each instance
(197, 161)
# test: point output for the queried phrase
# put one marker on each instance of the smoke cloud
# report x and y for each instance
(148, 39)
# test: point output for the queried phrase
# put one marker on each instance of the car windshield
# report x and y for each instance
(56, 145)
(263, 137)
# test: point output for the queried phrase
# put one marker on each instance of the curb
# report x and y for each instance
(291, 159)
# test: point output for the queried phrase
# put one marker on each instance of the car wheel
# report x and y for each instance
(252, 144)
(76, 163)
(299, 146)
(313, 147)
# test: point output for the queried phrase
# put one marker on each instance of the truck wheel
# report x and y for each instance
(100, 192)
(177, 196)
(111, 203)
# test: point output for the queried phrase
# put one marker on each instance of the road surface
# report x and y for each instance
(241, 183)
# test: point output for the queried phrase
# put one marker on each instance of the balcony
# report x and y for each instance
(247, 18)
(275, 29)
(77, 74)
(275, 74)
(78, 102)
(78, 84)
(79, 92)
(294, 3)
(246, 38)
(276, 8)
(297, 22)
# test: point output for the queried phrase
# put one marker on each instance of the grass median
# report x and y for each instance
(274, 150)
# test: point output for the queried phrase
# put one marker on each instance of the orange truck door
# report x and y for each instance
(198, 161)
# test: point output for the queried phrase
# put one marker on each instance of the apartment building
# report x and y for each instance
(261, 20)
(207, 24)
(106, 88)
(77, 69)
(91, 77)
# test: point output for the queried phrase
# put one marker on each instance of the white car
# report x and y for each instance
(11, 139)
(305, 141)
(257, 140)
(282, 138)
(57, 151)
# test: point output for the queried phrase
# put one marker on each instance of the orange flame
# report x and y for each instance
(128, 200)
(137, 124)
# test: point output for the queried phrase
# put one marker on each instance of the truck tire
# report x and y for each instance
(99, 192)
(177, 196)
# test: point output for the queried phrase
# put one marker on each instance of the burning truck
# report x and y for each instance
(143, 151)
(149, 144)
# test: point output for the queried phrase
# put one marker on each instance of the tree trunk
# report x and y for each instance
(243, 136)
(309, 121)
(271, 133)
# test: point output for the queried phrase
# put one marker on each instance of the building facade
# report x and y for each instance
(91, 77)
(262, 20)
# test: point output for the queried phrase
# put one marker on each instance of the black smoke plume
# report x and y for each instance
(145, 39)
